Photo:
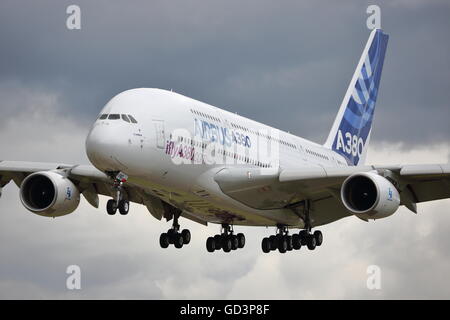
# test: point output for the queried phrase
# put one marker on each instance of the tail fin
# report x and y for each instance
(350, 133)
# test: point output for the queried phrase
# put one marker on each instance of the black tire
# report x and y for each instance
(186, 234)
(296, 242)
(289, 243)
(178, 241)
(111, 207)
(234, 242)
(164, 240)
(319, 237)
(223, 240)
(311, 242)
(282, 244)
(171, 233)
(218, 241)
(273, 243)
(226, 244)
(210, 244)
(304, 237)
(124, 207)
(265, 245)
(241, 240)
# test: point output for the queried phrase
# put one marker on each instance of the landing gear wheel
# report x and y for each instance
(311, 242)
(241, 240)
(186, 234)
(171, 234)
(289, 243)
(124, 207)
(164, 240)
(111, 207)
(226, 244)
(218, 241)
(178, 241)
(273, 243)
(265, 245)
(303, 237)
(296, 242)
(319, 237)
(282, 244)
(234, 242)
(210, 244)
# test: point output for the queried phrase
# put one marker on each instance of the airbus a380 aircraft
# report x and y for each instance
(184, 158)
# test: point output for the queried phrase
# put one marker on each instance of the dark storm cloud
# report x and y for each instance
(285, 63)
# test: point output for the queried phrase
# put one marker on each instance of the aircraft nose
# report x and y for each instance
(100, 145)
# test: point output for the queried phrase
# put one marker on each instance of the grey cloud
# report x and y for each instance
(293, 57)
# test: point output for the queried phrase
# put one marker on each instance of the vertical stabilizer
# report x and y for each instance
(350, 133)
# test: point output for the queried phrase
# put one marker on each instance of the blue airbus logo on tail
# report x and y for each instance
(355, 124)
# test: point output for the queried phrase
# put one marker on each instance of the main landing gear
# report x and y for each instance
(285, 242)
(119, 202)
(226, 241)
(281, 241)
(174, 236)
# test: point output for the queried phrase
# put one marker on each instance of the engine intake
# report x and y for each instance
(49, 194)
(369, 196)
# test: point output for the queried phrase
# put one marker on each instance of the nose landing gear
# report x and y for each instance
(119, 202)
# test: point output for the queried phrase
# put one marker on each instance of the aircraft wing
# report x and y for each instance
(90, 181)
(274, 189)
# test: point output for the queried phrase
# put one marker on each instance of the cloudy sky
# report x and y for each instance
(284, 63)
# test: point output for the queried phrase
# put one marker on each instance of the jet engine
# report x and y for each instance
(369, 196)
(49, 194)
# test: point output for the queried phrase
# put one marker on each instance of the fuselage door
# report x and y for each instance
(159, 133)
(302, 152)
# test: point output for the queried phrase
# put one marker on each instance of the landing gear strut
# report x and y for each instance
(311, 240)
(226, 240)
(174, 236)
(119, 202)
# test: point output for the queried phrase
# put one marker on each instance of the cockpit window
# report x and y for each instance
(132, 119)
(114, 116)
(125, 118)
(103, 116)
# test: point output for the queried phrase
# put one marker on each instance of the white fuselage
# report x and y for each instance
(178, 144)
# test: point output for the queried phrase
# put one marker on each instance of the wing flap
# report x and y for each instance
(427, 182)
(29, 167)
(426, 170)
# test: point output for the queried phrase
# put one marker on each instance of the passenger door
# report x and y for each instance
(160, 136)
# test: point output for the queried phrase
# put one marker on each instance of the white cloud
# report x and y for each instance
(388, 153)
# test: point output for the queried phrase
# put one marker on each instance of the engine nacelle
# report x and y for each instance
(369, 196)
(49, 194)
